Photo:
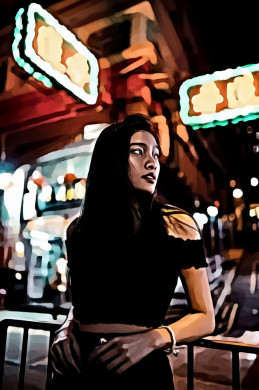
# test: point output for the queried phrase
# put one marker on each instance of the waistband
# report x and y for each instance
(112, 328)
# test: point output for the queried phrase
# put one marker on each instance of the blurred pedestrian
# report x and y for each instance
(125, 253)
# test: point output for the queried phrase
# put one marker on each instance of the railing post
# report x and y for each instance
(3, 332)
(26, 325)
(235, 371)
(49, 368)
(190, 373)
(23, 359)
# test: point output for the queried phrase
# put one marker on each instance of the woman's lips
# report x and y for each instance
(149, 177)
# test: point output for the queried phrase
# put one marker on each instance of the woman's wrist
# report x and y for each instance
(172, 347)
(161, 338)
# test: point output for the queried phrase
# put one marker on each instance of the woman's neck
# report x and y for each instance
(141, 206)
(142, 203)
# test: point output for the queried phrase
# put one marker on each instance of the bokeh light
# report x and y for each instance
(254, 181)
(237, 193)
(212, 211)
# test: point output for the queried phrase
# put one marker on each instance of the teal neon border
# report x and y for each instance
(16, 52)
(89, 98)
(220, 118)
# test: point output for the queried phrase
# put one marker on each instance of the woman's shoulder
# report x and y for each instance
(180, 223)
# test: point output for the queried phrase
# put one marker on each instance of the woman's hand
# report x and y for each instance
(65, 351)
(120, 353)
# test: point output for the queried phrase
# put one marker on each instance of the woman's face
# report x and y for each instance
(144, 166)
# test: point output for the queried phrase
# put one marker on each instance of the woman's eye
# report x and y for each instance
(157, 155)
(136, 151)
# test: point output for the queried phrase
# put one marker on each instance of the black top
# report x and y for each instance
(131, 281)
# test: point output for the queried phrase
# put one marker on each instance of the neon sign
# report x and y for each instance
(53, 53)
(215, 99)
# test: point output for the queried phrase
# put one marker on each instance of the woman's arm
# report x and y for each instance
(201, 320)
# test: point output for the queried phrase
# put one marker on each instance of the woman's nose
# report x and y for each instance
(151, 163)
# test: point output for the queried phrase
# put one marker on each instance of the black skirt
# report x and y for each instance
(153, 372)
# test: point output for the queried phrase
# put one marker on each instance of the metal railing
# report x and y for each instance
(26, 325)
(234, 348)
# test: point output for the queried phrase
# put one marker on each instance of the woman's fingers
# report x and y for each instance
(59, 350)
(106, 356)
(116, 362)
(123, 368)
(63, 357)
(55, 363)
(54, 367)
(70, 360)
(114, 356)
(75, 349)
(96, 352)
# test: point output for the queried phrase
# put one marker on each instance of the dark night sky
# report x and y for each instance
(229, 32)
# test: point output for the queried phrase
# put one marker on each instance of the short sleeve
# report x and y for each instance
(187, 241)
(192, 254)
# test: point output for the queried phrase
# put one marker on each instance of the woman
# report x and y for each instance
(125, 253)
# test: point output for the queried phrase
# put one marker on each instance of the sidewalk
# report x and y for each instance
(213, 368)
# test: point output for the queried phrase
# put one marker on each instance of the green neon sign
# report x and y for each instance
(225, 96)
(52, 53)
(16, 51)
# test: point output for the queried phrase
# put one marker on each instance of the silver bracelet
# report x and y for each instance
(173, 349)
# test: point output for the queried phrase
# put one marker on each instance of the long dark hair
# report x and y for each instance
(108, 205)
